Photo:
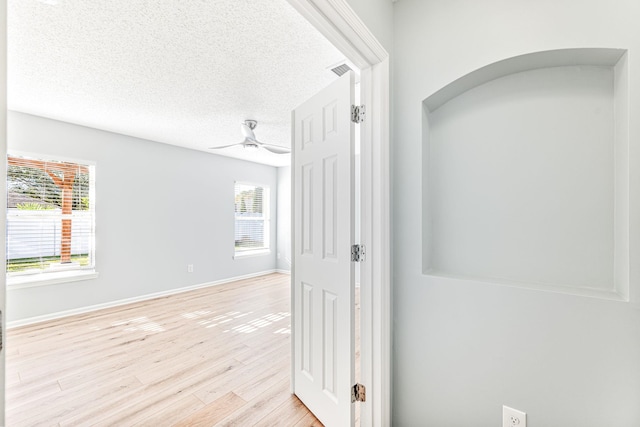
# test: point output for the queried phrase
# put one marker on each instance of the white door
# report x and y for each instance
(323, 274)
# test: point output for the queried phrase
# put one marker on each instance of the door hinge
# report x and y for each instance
(358, 393)
(357, 253)
(357, 113)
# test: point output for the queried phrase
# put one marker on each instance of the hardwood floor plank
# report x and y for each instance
(132, 407)
(12, 378)
(214, 390)
(51, 409)
(275, 347)
(27, 393)
(290, 412)
(213, 412)
(309, 421)
(173, 414)
(186, 361)
(273, 371)
(256, 409)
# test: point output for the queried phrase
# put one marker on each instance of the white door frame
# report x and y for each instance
(341, 26)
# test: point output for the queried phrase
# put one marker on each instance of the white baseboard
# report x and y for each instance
(87, 309)
(283, 271)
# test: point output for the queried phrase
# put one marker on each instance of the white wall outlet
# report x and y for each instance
(513, 418)
(189, 268)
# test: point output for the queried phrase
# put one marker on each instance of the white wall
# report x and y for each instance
(464, 348)
(158, 208)
(377, 16)
(283, 261)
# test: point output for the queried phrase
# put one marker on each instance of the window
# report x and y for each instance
(251, 218)
(50, 219)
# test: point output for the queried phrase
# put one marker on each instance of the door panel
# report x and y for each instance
(323, 274)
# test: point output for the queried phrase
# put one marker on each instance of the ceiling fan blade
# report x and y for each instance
(225, 146)
(250, 140)
(275, 148)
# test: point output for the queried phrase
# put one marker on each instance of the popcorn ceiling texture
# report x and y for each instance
(182, 72)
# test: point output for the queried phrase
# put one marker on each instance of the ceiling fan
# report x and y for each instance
(250, 140)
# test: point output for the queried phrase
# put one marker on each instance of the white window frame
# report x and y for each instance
(266, 218)
(42, 278)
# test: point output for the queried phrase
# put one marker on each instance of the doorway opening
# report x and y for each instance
(376, 204)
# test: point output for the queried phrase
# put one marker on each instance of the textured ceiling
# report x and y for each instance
(184, 72)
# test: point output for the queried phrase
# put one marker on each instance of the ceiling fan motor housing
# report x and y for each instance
(247, 129)
(251, 123)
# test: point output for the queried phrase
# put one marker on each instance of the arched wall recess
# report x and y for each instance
(526, 174)
(604, 57)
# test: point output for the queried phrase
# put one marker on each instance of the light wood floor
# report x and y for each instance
(214, 356)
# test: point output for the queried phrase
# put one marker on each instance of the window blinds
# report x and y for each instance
(251, 217)
(50, 215)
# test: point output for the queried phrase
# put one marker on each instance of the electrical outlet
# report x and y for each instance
(513, 418)
(189, 268)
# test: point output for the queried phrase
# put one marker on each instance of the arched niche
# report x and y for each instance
(526, 174)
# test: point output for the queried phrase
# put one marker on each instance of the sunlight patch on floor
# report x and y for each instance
(260, 322)
(195, 314)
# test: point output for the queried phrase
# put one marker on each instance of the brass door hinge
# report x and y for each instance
(358, 393)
